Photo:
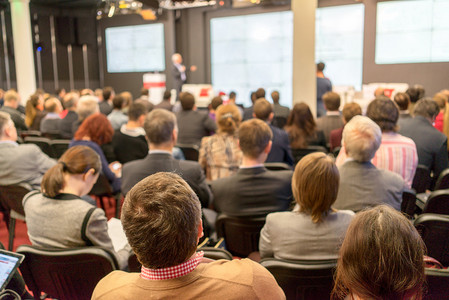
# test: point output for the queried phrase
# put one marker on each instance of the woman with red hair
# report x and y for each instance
(94, 132)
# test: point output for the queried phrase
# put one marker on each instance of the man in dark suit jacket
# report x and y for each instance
(254, 190)
(280, 150)
(69, 102)
(161, 131)
(11, 102)
(106, 104)
(430, 143)
(332, 120)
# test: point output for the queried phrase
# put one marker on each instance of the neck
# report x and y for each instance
(251, 162)
(132, 124)
(320, 74)
(71, 186)
(164, 147)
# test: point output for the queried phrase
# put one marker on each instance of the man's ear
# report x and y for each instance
(270, 117)
(268, 147)
(175, 136)
(200, 230)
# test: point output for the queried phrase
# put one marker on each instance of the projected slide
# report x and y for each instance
(339, 43)
(137, 48)
(252, 51)
(412, 31)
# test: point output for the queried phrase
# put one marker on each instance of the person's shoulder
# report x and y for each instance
(29, 148)
(189, 165)
(237, 270)
(134, 164)
(391, 178)
(285, 175)
(112, 284)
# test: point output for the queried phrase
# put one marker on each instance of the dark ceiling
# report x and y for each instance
(67, 3)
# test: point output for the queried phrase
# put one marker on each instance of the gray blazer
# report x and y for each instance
(23, 164)
(193, 125)
(293, 235)
(327, 124)
(363, 185)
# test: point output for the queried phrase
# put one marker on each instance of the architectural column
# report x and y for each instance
(304, 69)
(23, 48)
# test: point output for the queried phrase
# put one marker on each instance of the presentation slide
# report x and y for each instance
(412, 31)
(138, 48)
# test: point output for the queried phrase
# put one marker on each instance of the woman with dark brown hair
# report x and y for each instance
(313, 230)
(34, 112)
(58, 217)
(382, 257)
(94, 132)
(301, 128)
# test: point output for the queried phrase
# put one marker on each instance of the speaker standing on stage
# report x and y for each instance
(179, 72)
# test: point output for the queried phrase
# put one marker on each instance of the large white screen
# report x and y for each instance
(339, 43)
(248, 52)
(412, 31)
(137, 48)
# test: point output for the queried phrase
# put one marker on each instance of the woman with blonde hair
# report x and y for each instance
(313, 230)
(34, 112)
(382, 257)
(58, 217)
(220, 155)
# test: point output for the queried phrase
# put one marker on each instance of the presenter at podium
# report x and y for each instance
(179, 72)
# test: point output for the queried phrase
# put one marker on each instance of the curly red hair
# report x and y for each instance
(96, 127)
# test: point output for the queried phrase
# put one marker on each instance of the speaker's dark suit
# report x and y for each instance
(253, 191)
(190, 171)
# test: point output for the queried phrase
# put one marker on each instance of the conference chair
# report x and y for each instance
(434, 230)
(298, 154)
(65, 273)
(41, 142)
(442, 181)
(437, 284)
(103, 191)
(59, 147)
(303, 279)
(241, 234)
(190, 151)
(437, 202)
(24, 134)
(422, 179)
(277, 166)
(408, 205)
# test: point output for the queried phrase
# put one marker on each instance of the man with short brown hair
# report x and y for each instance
(332, 119)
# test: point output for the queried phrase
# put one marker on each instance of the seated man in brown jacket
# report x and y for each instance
(161, 217)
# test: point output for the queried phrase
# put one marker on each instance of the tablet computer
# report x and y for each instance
(9, 262)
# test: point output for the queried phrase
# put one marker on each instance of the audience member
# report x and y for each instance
(94, 132)
(129, 141)
(220, 154)
(380, 91)
(60, 93)
(99, 94)
(323, 85)
(106, 103)
(69, 102)
(58, 218)
(332, 120)
(23, 164)
(87, 106)
(279, 110)
(301, 128)
(51, 123)
(403, 102)
(382, 257)
(415, 93)
(396, 153)
(313, 231)
(10, 105)
(161, 217)
(2, 94)
(162, 133)
(213, 105)
(349, 111)
(430, 143)
(34, 112)
(248, 112)
(86, 92)
(253, 190)
(441, 99)
(280, 148)
(144, 94)
(193, 125)
(117, 117)
(128, 100)
(233, 99)
(166, 102)
(361, 183)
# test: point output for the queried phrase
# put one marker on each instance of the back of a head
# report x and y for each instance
(31, 109)
(148, 105)
(402, 100)
(52, 105)
(254, 136)
(426, 108)
(441, 99)
(262, 109)
(128, 98)
(167, 95)
(160, 216)
(384, 112)
(136, 110)
(187, 101)
(107, 92)
(315, 185)
(232, 95)
(302, 118)
(320, 66)
(5, 121)
(11, 97)
(350, 110)
(117, 102)
(381, 257)
(70, 100)
(275, 97)
(97, 128)
(260, 93)
(87, 105)
(414, 94)
(159, 125)
(76, 160)
(228, 118)
(216, 102)
(331, 101)
(144, 92)
(361, 138)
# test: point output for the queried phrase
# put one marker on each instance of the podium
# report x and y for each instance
(155, 83)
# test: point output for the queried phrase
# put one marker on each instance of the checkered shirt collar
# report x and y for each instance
(172, 272)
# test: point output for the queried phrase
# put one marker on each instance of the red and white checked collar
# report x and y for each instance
(172, 272)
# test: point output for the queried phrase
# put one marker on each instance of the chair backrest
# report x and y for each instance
(102, 187)
(434, 230)
(443, 180)
(422, 180)
(190, 151)
(11, 197)
(241, 234)
(408, 205)
(303, 279)
(277, 166)
(41, 142)
(298, 154)
(437, 203)
(437, 284)
(67, 273)
(26, 133)
(59, 147)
